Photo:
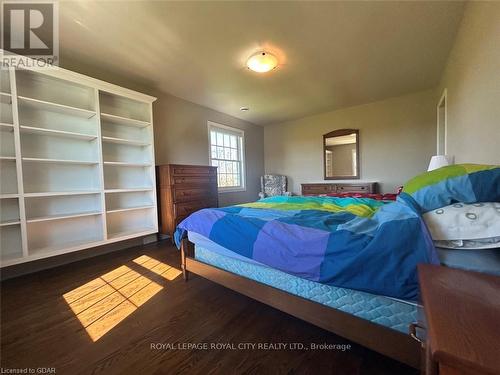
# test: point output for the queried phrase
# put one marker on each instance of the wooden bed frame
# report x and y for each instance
(383, 340)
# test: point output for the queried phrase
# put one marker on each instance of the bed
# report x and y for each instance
(347, 265)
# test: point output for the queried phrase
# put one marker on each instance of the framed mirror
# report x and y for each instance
(341, 154)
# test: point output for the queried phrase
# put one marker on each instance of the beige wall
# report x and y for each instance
(181, 136)
(397, 139)
(472, 80)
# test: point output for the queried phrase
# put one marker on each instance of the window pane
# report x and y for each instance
(220, 152)
(234, 154)
(230, 167)
(213, 151)
(233, 141)
(213, 137)
(220, 139)
(223, 180)
(227, 142)
(227, 153)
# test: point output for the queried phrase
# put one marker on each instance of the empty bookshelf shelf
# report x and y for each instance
(124, 120)
(65, 216)
(59, 161)
(54, 107)
(56, 133)
(127, 164)
(127, 190)
(131, 233)
(6, 126)
(124, 141)
(5, 98)
(7, 223)
(129, 209)
(8, 196)
(57, 193)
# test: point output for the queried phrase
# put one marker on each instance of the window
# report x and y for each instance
(227, 153)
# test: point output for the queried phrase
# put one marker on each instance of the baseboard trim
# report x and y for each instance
(17, 270)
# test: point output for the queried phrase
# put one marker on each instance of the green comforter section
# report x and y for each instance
(363, 207)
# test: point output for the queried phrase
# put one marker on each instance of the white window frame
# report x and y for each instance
(241, 133)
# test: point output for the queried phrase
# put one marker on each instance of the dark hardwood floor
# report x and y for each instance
(102, 315)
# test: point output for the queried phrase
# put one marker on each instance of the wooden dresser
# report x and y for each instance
(339, 187)
(462, 310)
(182, 190)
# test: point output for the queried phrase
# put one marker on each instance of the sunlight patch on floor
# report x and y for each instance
(161, 269)
(101, 304)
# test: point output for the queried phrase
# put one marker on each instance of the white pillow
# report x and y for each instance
(481, 244)
(477, 225)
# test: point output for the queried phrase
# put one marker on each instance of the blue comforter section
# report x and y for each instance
(376, 254)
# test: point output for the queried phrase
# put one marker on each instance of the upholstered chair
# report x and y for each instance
(272, 185)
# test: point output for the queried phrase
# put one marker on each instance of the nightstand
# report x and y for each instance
(462, 314)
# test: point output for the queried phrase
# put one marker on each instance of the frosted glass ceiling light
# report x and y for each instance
(262, 62)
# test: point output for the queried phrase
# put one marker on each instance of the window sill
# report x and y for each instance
(231, 190)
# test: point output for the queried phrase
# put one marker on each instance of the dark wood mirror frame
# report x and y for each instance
(338, 133)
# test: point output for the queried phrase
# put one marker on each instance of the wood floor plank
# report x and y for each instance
(101, 315)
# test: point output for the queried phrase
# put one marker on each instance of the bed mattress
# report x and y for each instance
(389, 312)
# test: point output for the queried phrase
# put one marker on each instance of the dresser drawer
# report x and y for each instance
(318, 189)
(353, 189)
(187, 208)
(192, 171)
(326, 188)
(194, 180)
(191, 194)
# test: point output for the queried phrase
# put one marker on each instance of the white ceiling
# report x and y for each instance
(332, 54)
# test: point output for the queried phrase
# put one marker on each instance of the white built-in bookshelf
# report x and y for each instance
(76, 164)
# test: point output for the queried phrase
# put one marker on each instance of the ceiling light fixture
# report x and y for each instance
(262, 62)
(244, 109)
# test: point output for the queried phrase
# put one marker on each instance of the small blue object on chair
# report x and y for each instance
(272, 185)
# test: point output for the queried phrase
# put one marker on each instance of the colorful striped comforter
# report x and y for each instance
(356, 243)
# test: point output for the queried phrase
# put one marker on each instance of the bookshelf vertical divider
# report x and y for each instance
(19, 167)
(153, 166)
(82, 153)
(101, 165)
